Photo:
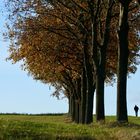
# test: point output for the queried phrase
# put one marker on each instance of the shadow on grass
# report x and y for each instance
(48, 137)
(12, 134)
(75, 138)
(126, 125)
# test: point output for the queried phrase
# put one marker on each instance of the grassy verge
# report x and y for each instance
(59, 127)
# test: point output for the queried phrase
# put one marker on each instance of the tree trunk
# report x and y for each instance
(89, 105)
(100, 113)
(123, 53)
(73, 108)
(76, 111)
(69, 106)
(101, 65)
(83, 96)
(90, 85)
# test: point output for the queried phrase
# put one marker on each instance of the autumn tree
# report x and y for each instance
(123, 55)
(71, 45)
(52, 51)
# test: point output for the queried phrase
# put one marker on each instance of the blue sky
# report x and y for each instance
(20, 93)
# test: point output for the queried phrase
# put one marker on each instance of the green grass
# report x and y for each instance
(59, 127)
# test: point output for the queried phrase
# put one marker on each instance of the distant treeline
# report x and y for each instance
(40, 114)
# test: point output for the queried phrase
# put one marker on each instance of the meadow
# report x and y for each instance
(60, 127)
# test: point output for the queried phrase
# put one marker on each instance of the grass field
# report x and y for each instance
(59, 127)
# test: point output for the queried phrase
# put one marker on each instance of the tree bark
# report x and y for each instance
(90, 85)
(83, 96)
(101, 65)
(78, 100)
(123, 53)
(100, 114)
(89, 105)
(69, 106)
(73, 109)
(76, 111)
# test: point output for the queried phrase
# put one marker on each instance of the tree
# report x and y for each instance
(63, 43)
(123, 55)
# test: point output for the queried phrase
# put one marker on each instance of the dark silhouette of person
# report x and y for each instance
(136, 108)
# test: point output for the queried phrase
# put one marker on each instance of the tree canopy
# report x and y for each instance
(61, 42)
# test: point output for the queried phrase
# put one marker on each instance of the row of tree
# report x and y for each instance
(77, 46)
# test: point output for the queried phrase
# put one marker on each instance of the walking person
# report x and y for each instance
(136, 108)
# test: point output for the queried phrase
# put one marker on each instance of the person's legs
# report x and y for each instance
(136, 113)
